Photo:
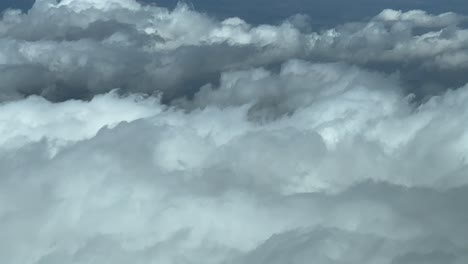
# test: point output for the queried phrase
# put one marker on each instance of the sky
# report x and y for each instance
(322, 12)
(233, 132)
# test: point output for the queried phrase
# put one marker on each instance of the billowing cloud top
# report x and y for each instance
(131, 133)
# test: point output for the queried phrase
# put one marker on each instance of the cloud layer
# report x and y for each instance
(206, 141)
(76, 49)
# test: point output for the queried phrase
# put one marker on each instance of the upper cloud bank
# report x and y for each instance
(77, 48)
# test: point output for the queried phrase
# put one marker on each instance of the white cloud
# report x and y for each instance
(321, 183)
(34, 118)
(104, 5)
(420, 18)
(228, 142)
(79, 48)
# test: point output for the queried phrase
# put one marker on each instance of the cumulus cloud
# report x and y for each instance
(34, 118)
(76, 49)
(357, 173)
(136, 134)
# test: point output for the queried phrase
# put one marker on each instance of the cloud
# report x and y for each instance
(76, 49)
(356, 172)
(134, 134)
(323, 14)
(35, 118)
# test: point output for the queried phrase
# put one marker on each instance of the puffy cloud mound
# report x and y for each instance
(75, 49)
(136, 134)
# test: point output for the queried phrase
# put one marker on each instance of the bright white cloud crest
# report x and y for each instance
(136, 134)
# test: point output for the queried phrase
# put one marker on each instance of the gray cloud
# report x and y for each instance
(136, 134)
(338, 180)
(76, 49)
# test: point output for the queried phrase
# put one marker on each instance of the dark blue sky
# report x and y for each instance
(23, 4)
(322, 12)
(325, 12)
